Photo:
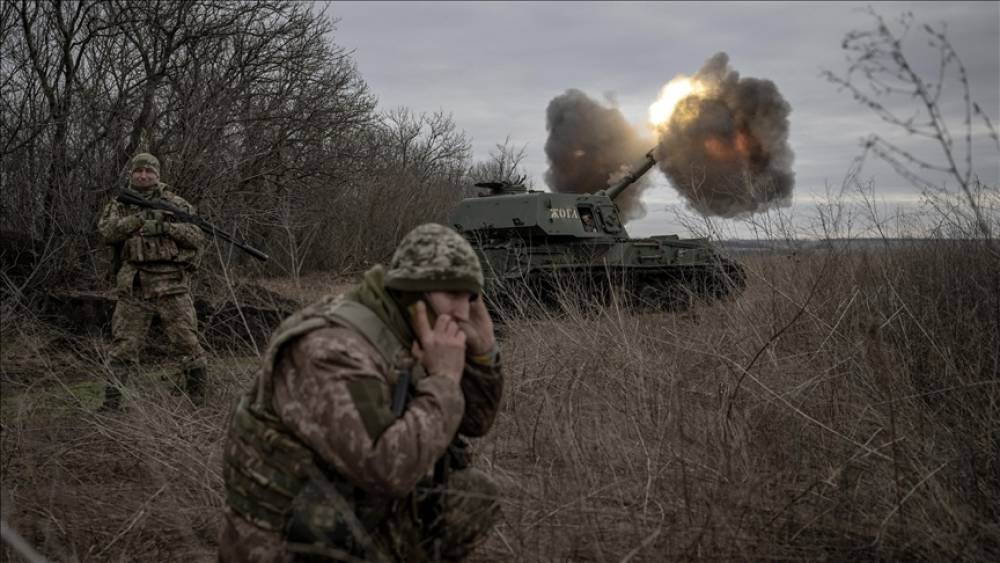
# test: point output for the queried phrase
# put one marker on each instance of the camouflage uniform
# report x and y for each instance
(157, 258)
(317, 467)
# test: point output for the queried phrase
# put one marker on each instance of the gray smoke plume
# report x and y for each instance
(726, 151)
(587, 147)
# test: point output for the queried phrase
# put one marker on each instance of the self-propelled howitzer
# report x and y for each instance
(546, 245)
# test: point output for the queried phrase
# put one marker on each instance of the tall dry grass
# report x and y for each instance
(845, 406)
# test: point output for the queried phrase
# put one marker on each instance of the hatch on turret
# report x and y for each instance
(503, 188)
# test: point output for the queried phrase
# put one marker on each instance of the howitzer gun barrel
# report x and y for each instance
(614, 190)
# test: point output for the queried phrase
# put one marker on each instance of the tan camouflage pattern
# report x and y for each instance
(312, 400)
(311, 397)
(433, 257)
(242, 542)
(154, 278)
(470, 511)
(133, 316)
(158, 257)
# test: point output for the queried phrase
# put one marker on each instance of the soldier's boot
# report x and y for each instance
(112, 389)
(112, 399)
(194, 384)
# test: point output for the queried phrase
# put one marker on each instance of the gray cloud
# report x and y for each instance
(587, 147)
(496, 65)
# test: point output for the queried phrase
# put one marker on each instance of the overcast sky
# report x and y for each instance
(496, 65)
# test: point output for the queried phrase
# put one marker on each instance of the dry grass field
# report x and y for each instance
(846, 406)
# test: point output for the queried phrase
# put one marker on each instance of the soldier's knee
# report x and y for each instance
(186, 338)
(472, 508)
(125, 349)
(189, 344)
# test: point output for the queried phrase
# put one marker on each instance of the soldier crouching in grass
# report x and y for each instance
(348, 446)
(156, 259)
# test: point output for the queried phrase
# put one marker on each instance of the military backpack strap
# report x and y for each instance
(367, 393)
(366, 322)
(311, 318)
(272, 478)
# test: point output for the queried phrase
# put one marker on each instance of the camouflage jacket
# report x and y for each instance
(330, 391)
(158, 265)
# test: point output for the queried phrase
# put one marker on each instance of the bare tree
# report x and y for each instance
(244, 102)
(426, 146)
(414, 170)
(258, 118)
(504, 165)
(882, 76)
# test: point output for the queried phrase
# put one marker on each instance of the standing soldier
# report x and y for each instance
(348, 446)
(157, 257)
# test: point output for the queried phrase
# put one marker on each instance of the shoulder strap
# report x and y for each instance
(171, 197)
(365, 321)
(328, 311)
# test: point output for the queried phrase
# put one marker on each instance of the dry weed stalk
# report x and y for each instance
(844, 406)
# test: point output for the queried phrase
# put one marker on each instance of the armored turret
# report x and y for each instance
(538, 241)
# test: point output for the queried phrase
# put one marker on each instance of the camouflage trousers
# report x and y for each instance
(469, 510)
(133, 316)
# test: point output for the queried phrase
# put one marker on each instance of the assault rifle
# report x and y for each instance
(129, 197)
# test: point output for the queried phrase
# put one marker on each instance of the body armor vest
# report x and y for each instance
(266, 467)
(154, 250)
(157, 253)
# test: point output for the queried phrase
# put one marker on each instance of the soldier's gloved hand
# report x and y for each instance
(440, 350)
(153, 228)
(132, 223)
(478, 330)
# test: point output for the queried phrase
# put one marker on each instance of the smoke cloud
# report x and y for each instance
(587, 148)
(726, 149)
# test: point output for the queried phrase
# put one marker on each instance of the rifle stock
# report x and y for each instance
(130, 197)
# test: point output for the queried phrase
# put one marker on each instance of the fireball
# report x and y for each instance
(670, 95)
(737, 147)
